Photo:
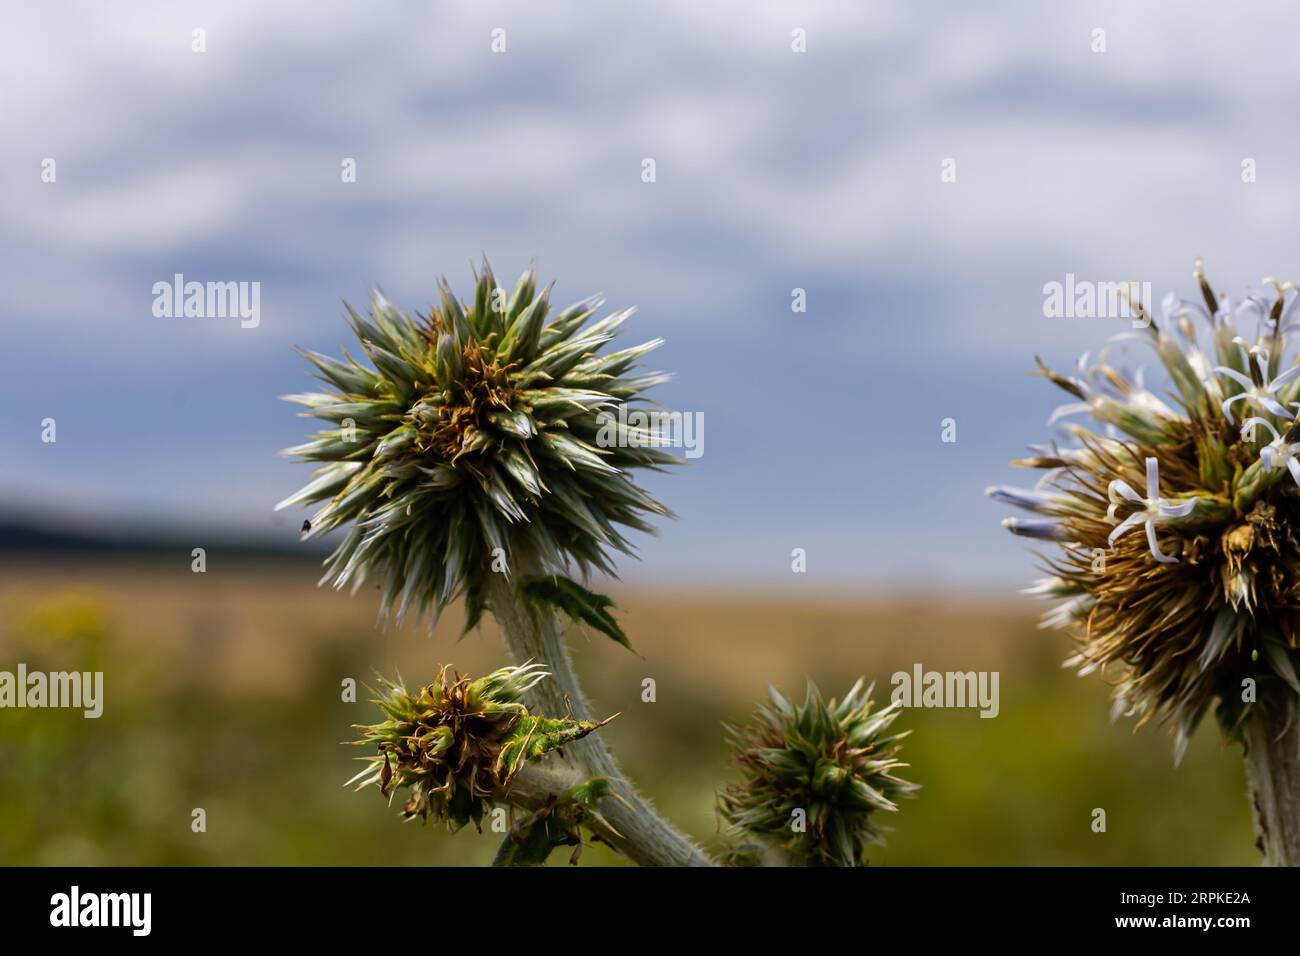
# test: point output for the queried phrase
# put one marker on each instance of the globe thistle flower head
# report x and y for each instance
(475, 434)
(457, 743)
(816, 776)
(1173, 521)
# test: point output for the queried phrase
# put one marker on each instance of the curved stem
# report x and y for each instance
(535, 634)
(1272, 755)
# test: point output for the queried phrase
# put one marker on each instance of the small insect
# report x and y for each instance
(306, 526)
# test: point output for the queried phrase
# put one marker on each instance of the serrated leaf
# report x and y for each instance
(532, 737)
(577, 602)
(474, 606)
(558, 822)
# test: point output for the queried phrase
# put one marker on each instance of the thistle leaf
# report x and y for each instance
(534, 737)
(577, 602)
(556, 823)
(475, 604)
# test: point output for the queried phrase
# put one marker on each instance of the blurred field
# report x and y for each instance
(223, 692)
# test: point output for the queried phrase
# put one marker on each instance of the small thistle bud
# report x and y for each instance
(1193, 510)
(473, 429)
(815, 776)
(457, 743)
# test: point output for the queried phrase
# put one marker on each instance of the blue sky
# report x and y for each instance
(775, 170)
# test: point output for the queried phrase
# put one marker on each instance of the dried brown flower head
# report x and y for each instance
(1176, 518)
(456, 743)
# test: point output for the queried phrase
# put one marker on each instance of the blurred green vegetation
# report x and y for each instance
(224, 692)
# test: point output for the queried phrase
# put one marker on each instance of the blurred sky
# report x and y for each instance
(775, 170)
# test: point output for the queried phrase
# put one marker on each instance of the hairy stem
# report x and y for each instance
(1272, 753)
(533, 633)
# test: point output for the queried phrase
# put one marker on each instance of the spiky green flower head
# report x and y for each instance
(1174, 519)
(457, 743)
(816, 776)
(485, 431)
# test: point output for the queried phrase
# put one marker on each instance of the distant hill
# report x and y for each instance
(33, 538)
